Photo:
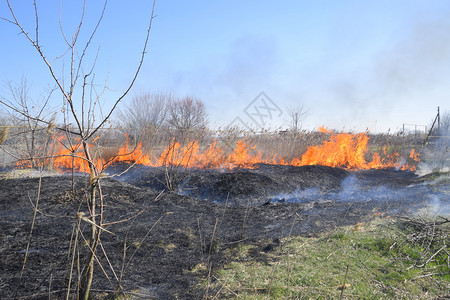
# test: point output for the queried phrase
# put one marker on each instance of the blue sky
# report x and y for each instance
(353, 64)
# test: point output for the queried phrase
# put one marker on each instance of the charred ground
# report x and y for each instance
(169, 237)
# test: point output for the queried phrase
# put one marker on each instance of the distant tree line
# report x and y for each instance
(150, 113)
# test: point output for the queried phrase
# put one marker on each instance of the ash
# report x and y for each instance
(199, 217)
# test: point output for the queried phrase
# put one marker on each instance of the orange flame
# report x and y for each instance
(343, 150)
(324, 130)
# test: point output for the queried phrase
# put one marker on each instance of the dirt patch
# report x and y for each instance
(170, 237)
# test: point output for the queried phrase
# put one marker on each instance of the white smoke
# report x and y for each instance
(432, 197)
(436, 157)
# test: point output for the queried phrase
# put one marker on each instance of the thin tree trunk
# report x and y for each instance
(88, 273)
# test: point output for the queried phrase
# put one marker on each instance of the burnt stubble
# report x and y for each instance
(168, 237)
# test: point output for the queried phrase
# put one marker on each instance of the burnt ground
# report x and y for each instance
(170, 238)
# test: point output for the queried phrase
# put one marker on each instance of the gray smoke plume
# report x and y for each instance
(436, 154)
(431, 198)
(404, 81)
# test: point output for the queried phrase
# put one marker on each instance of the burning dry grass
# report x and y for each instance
(228, 150)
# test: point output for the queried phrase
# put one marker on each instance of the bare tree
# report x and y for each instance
(4, 126)
(297, 115)
(3, 129)
(4, 120)
(78, 86)
(187, 114)
(145, 115)
(32, 139)
(444, 126)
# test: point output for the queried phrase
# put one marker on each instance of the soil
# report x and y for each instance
(168, 239)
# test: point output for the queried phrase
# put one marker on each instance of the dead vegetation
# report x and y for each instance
(430, 240)
(163, 245)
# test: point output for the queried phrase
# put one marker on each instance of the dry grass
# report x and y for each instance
(280, 145)
(3, 135)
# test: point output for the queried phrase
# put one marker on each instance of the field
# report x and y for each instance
(261, 231)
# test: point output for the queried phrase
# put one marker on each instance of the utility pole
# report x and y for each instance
(438, 122)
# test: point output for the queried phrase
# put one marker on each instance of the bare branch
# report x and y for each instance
(28, 116)
(297, 115)
(77, 78)
(145, 113)
(61, 28)
(37, 21)
(80, 62)
(67, 96)
(187, 114)
(134, 77)
(8, 20)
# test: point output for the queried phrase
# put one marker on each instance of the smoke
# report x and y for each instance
(438, 206)
(231, 78)
(402, 82)
(420, 61)
(436, 155)
(431, 198)
(349, 72)
(250, 64)
(437, 159)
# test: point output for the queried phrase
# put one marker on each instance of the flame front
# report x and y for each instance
(343, 150)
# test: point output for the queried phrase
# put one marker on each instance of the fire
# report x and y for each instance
(74, 156)
(212, 157)
(343, 150)
(324, 130)
(131, 155)
(348, 151)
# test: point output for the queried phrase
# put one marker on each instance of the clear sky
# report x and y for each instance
(353, 64)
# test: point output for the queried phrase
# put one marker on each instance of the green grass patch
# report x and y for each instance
(386, 260)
